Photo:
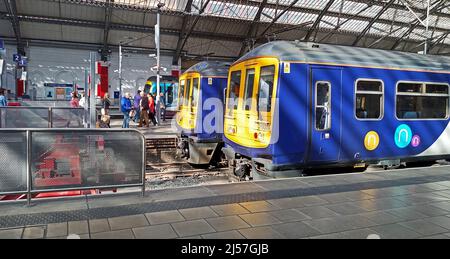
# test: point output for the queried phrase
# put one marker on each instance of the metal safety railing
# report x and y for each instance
(42, 117)
(34, 161)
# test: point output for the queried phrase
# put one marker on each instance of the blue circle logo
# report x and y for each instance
(403, 136)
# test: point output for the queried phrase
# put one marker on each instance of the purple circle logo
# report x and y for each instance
(415, 142)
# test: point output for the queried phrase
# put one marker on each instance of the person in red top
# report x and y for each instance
(75, 115)
(151, 104)
(74, 103)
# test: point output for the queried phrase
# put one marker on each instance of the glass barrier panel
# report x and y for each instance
(83, 159)
(13, 162)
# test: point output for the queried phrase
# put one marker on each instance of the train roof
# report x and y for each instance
(210, 68)
(307, 52)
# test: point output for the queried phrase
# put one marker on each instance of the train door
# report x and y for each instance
(325, 132)
(247, 112)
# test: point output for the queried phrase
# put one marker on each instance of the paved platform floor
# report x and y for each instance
(410, 203)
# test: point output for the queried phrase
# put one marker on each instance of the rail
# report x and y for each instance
(42, 117)
(37, 161)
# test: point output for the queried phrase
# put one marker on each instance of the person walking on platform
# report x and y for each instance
(137, 106)
(125, 107)
(74, 103)
(162, 101)
(3, 101)
(75, 115)
(106, 103)
(144, 107)
(152, 111)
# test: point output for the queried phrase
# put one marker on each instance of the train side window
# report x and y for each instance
(369, 99)
(427, 101)
(248, 94)
(187, 93)
(195, 92)
(234, 90)
(265, 88)
(323, 106)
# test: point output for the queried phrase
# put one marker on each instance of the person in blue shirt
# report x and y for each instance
(125, 107)
(137, 108)
(3, 101)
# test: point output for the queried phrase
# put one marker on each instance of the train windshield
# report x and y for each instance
(249, 82)
(188, 92)
(234, 91)
(195, 92)
(265, 92)
(182, 88)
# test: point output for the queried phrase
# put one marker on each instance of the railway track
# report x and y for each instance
(163, 162)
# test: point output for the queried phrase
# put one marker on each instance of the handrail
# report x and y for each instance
(51, 111)
(30, 142)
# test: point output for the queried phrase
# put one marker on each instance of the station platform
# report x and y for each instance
(403, 203)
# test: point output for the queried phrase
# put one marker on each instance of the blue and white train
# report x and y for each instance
(316, 105)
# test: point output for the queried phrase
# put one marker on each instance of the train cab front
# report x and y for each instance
(195, 145)
(249, 115)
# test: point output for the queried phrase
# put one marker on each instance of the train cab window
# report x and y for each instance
(369, 99)
(234, 90)
(249, 82)
(187, 93)
(195, 92)
(323, 106)
(182, 88)
(265, 88)
(427, 101)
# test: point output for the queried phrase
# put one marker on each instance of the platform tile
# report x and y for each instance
(57, 230)
(198, 213)
(99, 225)
(395, 231)
(229, 209)
(318, 212)
(289, 215)
(295, 230)
(259, 206)
(164, 217)
(78, 227)
(424, 228)
(261, 233)
(260, 219)
(233, 234)
(118, 234)
(227, 223)
(155, 232)
(15, 233)
(127, 222)
(33, 232)
(192, 228)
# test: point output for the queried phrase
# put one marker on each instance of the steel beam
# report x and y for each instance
(437, 5)
(187, 11)
(252, 29)
(194, 23)
(278, 17)
(108, 14)
(379, 14)
(257, 4)
(11, 7)
(318, 20)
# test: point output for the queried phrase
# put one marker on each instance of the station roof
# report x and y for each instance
(226, 28)
(350, 56)
(210, 68)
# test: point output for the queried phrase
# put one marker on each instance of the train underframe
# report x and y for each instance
(201, 152)
(247, 168)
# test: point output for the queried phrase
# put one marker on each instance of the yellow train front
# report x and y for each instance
(200, 113)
